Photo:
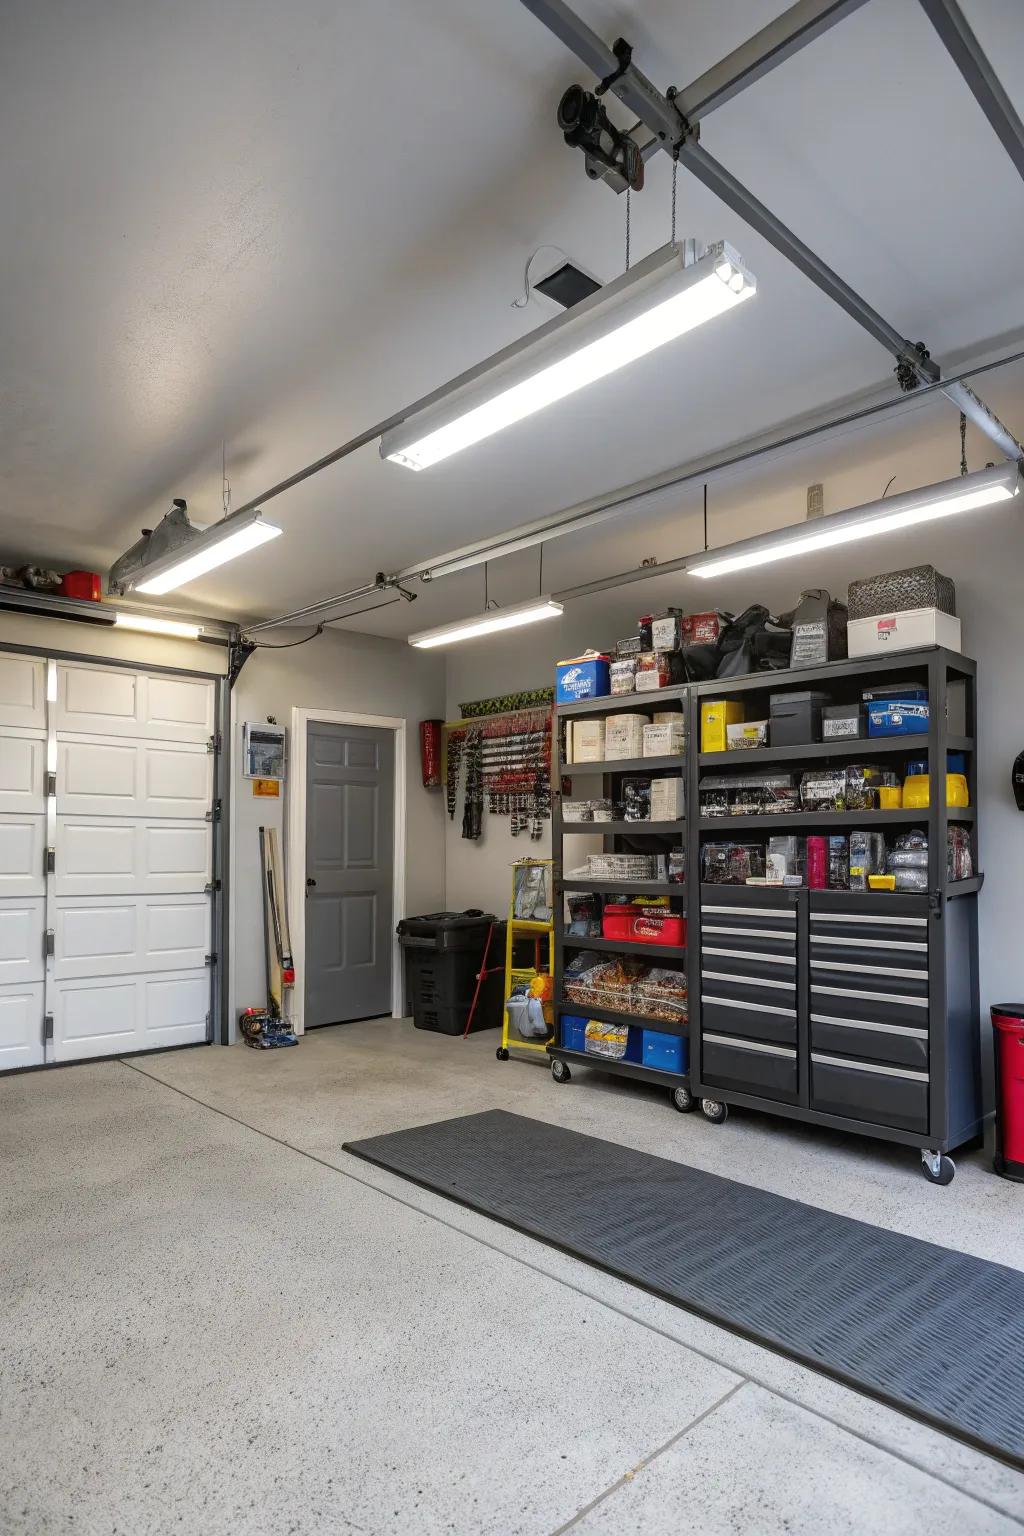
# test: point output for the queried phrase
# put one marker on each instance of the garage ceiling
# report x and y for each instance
(275, 225)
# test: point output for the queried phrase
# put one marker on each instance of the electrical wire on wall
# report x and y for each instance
(343, 618)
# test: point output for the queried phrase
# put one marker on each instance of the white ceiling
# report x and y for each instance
(275, 224)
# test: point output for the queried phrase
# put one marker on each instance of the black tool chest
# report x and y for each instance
(856, 1010)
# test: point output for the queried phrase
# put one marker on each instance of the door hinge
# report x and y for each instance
(208, 1021)
(213, 814)
(214, 743)
(50, 861)
(210, 959)
(48, 944)
(47, 1026)
(51, 783)
(211, 886)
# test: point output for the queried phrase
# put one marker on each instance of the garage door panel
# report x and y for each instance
(21, 940)
(115, 701)
(22, 851)
(22, 771)
(21, 1026)
(129, 935)
(99, 856)
(23, 692)
(108, 1016)
(97, 777)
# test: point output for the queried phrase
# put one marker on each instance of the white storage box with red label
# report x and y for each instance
(624, 735)
(909, 631)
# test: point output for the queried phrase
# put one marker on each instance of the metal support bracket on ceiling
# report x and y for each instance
(676, 132)
(970, 58)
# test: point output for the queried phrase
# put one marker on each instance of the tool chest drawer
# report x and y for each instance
(898, 955)
(749, 1066)
(722, 916)
(724, 938)
(767, 1020)
(900, 981)
(869, 926)
(748, 963)
(894, 1045)
(779, 991)
(886, 1095)
(868, 1005)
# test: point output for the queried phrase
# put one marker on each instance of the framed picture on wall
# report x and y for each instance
(262, 750)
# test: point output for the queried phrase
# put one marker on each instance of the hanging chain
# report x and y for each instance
(675, 181)
(629, 193)
(963, 443)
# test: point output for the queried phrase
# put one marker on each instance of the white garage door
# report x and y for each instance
(104, 939)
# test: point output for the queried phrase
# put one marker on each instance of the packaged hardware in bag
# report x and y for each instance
(606, 1040)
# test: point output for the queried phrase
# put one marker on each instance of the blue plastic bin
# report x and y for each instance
(574, 1032)
(667, 1053)
(898, 717)
(581, 680)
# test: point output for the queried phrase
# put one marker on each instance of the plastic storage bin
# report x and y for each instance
(795, 718)
(443, 953)
(639, 925)
(667, 1053)
(898, 717)
(586, 677)
(573, 1032)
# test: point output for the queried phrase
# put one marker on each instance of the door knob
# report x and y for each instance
(310, 881)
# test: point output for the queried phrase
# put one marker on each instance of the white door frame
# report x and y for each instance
(295, 854)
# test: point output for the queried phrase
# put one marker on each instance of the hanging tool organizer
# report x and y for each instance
(502, 760)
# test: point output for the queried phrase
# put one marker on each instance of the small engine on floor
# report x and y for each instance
(263, 1030)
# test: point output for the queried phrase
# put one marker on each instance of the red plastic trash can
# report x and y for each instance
(1008, 1023)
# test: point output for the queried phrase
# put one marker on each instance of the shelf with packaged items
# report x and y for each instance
(624, 765)
(626, 828)
(864, 747)
(603, 946)
(790, 821)
(613, 1016)
(612, 703)
(627, 887)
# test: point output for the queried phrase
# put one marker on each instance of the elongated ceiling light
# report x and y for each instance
(967, 493)
(155, 626)
(213, 547)
(656, 301)
(488, 623)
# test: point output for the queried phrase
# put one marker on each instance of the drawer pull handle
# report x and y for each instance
(748, 954)
(735, 1002)
(831, 938)
(749, 1045)
(748, 981)
(870, 970)
(738, 911)
(867, 1066)
(883, 1029)
(755, 933)
(854, 918)
(872, 997)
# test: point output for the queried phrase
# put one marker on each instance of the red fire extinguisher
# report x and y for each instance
(430, 753)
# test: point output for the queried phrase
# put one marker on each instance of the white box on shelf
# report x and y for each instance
(666, 799)
(663, 740)
(587, 741)
(908, 631)
(624, 735)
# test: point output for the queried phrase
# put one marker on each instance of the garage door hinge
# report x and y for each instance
(213, 745)
(50, 861)
(47, 1026)
(51, 784)
(48, 946)
(214, 813)
(210, 887)
(210, 959)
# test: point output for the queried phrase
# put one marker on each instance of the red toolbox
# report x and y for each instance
(643, 925)
(1008, 1023)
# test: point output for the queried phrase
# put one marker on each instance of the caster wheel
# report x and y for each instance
(937, 1168)
(501, 1053)
(682, 1099)
(714, 1110)
(560, 1071)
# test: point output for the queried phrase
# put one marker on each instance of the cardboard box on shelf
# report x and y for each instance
(667, 801)
(623, 736)
(715, 716)
(664, 739)
(907, 631)
(587, 739)
(750, 733)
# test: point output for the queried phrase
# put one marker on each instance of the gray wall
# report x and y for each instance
(338, 671)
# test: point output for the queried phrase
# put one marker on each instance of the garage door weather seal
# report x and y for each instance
(935, 1333)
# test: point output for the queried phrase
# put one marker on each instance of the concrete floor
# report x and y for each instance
(216, 1321)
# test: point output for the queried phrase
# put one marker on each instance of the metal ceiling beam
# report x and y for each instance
(973, 63)
(680, 140)
(760, 54)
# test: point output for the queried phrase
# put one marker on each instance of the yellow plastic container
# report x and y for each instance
(916, 791)
(882, 882)
(890, 797)
(715, 716)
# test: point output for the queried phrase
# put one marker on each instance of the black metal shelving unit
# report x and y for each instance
(660, 836)
(854, 1010)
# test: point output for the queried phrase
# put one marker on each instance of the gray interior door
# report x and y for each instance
(350, 797)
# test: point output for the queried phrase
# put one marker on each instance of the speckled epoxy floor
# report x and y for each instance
(216, 1321)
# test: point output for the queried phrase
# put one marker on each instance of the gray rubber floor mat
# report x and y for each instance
(935, 1333)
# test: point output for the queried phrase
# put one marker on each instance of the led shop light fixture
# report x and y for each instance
(155, 626)
(653, 303)
(213, 547)
(488, 623)
(967, 493)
